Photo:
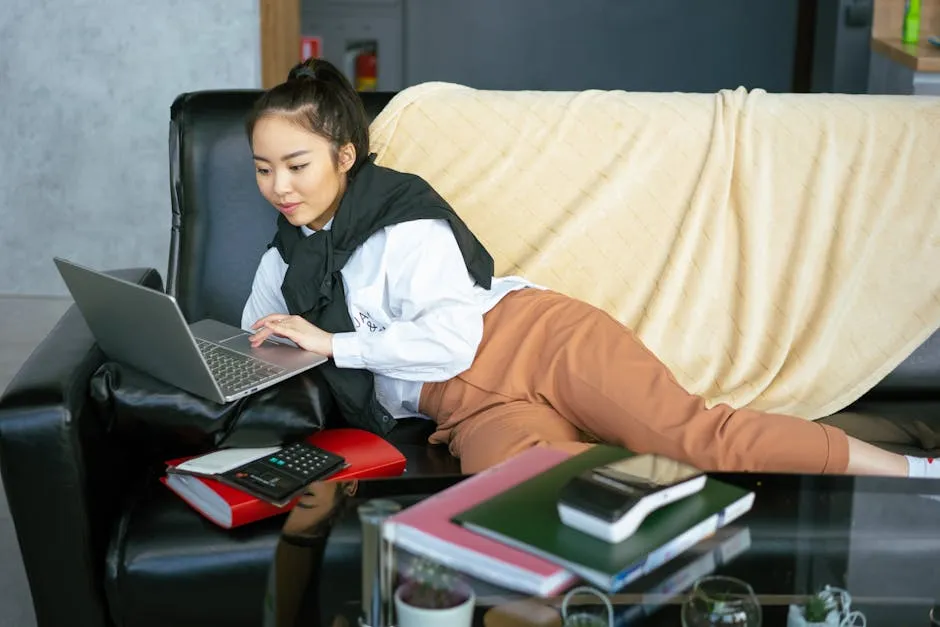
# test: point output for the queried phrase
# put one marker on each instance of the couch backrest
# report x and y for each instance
(775, 250)
(221, 225)
(915, 379)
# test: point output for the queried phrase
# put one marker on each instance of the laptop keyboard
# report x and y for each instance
(234, 371)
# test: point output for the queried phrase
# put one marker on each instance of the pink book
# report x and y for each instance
(426, 529)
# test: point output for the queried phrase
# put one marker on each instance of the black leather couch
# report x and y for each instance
(103, 542)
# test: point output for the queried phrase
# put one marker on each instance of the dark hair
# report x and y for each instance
(317, 96)
(319, 527)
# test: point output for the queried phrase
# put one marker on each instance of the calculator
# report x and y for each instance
(279, 477)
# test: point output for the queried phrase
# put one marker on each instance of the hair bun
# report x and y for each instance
(318, 70)
(302, 72)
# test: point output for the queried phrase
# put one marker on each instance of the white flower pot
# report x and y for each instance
(457, 616)
(795, 618)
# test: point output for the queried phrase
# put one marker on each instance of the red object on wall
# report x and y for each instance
(311, 47)
(366, 70)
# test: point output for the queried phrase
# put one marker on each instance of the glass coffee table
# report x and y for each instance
(871, 543)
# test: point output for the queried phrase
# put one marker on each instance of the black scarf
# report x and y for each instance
(375, 198)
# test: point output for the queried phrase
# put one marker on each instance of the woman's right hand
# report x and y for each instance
(296, 329)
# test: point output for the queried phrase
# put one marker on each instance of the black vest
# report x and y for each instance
(375, 198)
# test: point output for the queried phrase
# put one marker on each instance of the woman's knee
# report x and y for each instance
(482, 453)
(486, 440)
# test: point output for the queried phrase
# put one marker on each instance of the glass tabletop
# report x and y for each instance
(868, 547)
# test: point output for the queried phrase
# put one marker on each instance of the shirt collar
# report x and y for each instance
(308, 231)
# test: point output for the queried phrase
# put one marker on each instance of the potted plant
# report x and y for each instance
(820, 610)
(431, 594)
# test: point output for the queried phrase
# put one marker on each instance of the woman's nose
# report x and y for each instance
(281, 183)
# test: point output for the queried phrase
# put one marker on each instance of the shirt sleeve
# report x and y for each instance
(265, 297)
(437, 324)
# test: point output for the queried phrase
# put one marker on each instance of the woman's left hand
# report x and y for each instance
(296, 329)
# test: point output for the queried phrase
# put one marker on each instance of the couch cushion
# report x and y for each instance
(902, 412)
(907, 428)
(410, 436)
(168, 566)
(917, 378)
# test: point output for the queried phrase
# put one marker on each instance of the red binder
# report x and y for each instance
(367, 456)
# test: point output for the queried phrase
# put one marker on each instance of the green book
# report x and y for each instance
(526, 517)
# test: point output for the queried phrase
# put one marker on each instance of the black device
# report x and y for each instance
(283, 475)
(610, 502)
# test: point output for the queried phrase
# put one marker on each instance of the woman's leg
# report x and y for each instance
(505, 430)
(486, 415)
(866, 459)
(638, 388)
(546, 356)
(482, 428)
(597, 374)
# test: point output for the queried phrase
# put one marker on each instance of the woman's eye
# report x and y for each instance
(298, 168)
(261, 171)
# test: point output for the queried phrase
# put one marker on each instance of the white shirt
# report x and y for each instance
(417, 311)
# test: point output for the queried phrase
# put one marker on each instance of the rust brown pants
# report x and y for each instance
(551, 370)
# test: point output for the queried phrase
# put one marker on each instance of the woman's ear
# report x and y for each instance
(347, 157)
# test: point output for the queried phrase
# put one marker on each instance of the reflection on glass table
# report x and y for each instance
(806, 537)
(721, 601)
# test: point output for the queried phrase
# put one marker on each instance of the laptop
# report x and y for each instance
(145, 328)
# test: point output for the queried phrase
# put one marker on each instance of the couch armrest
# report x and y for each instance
(65, 478)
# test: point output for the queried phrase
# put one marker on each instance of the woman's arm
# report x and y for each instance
(437, 323)
(265, 298)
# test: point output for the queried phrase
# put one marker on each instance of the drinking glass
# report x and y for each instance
(577, 618)
(723, 601)
(376, 563)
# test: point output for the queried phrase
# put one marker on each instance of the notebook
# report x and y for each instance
(367, 456)
(526, 517)
(426, 529)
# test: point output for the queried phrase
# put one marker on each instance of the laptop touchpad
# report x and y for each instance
(240, 343)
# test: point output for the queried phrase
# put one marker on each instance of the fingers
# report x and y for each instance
(294, 328)
(266, 327)
(260, 322)
(259, 337)
(282, 326)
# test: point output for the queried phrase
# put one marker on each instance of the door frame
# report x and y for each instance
(280, 39)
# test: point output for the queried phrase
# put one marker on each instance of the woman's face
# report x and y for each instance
(319, 500)
(296, 171)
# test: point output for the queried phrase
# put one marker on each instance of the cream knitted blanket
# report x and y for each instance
(775, 251)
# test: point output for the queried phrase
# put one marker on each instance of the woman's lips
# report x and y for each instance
(289, 208)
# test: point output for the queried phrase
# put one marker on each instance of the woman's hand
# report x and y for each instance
(295, 328)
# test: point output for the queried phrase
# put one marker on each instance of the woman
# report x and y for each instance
(372, 268)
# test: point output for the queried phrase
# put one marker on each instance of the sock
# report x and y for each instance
(923, 467)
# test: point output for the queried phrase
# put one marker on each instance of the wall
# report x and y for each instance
(576, 44)
(342, 24)
(637, 45)
(85, 91)
(841, 47)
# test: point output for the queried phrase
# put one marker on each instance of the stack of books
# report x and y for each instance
(366, 455)
(502, 526)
